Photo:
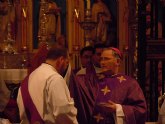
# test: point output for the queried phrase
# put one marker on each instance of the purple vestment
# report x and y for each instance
(83, 89)
(88, 90)
(31, 110)
(122, 90)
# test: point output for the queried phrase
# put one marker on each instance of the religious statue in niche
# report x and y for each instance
(50, 16)
(7, 20)
(101, 14)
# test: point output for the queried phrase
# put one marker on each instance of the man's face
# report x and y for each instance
(108, 61)
(86, 58)
(62, 64)
(97, 57)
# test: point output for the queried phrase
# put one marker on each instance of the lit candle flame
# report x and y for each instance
(24, 13)
(77, 13)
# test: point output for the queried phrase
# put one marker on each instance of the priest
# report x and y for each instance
(120, 99)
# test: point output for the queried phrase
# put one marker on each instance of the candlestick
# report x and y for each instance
(24, 26)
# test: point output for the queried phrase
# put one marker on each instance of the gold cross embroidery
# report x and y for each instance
(105, 90)
(98, 117)
(121, 78)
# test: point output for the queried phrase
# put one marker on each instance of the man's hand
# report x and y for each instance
(108, 106)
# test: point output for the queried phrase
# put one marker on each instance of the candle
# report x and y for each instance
(24, 27)
(88, 4)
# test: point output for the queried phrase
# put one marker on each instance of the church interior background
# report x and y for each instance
(135, 26)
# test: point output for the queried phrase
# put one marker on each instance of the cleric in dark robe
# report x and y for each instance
(109, 97)
(83, 89)
(120, 99)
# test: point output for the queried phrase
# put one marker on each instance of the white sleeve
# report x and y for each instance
(119, 117)
(60, 101)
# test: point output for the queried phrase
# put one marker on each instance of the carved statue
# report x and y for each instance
(7, 15)
(53, 21)
(101, 14)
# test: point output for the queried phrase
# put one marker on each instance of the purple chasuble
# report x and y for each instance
(31, 110)
(122, 90)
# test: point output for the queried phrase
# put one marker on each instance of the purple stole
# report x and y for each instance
(30, 109)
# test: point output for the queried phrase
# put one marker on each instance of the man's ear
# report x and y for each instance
(60, 59)
(118, 62)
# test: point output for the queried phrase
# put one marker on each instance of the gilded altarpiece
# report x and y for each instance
(24, 36)
(16, 32)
